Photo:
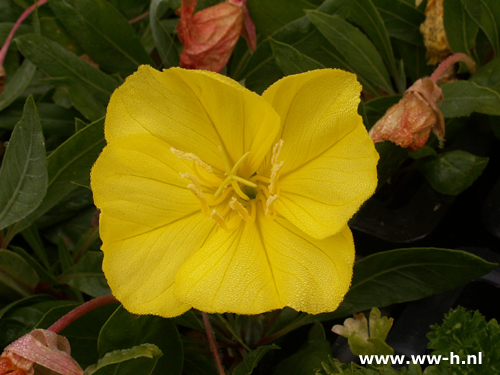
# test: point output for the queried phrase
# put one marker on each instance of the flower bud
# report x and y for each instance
(210, 35)
(409, 122)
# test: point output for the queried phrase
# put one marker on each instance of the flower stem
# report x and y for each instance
(450, 60)
(26, 13)
(213, 345)
(81, 310)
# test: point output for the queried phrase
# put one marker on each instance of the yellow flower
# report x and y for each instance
(216, 198)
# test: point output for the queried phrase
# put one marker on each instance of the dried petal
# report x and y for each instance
(409, 122)
(433, 31)
(44, 348)
(209, 36)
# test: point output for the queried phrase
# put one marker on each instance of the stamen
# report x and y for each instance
(218, 219)
(242, 211)
(275, 166)
(199, 194)
(269, 202)
(191, 157)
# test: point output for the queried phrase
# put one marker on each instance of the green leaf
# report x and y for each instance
(405, 275)
(452, 172)
(58, 62)
(21, 318)
(488, 75)
(164, 41)
(401, 19)
(70, 162)
(486, 13)
(124, 330)
(310, 357)
(17, 84)
(366, 16)
(45, 276)
(461, 98)
(87, 276)
(252, 360)
(17, 278)
(460, 29)
(103, 32)
(355, 47)
(64, 254)
(292, 61)
(23, 176)
(269, 16)
(140, 359)
(81, 98)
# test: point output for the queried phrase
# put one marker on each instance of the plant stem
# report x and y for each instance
(26, 13)
(70, 317)
(450, 60)
(213, 345)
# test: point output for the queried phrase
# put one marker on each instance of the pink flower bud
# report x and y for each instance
(209, 36)
(409, 122)
(39, 348)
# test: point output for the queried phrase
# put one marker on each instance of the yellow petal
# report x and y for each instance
(136, 182)
(267, 266)
(329, 160)
(150, 222)
(194, 111)
(141, 269)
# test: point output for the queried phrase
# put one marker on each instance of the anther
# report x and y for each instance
(191, 157)
(218, 219)
(242, 211)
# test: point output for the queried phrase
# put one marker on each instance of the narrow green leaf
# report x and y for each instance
(87, 275)
(366, 16)
(401, 19)
(23, 176)
(124, 330)
(58, 62)
(140, 359)
(355, 47)
(460, 28)
(163, 40)
(17, 278)
(70, 162)
(64, 254)
(461, 98)
(269, 16)
(252, 360)
(37, 267)
(486, 13)
(103, 32)
(405, 275)
(81, 98)
(452, 172)
(17, 84)
(292, 61)
(32, 237)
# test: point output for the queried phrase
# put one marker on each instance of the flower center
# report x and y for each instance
(230, 198)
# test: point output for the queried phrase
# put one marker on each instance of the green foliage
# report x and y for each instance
(466, 333)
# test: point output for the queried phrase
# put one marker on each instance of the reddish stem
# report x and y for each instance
(18, 23)
(213, 345)
(81, 310)
(450, 60)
